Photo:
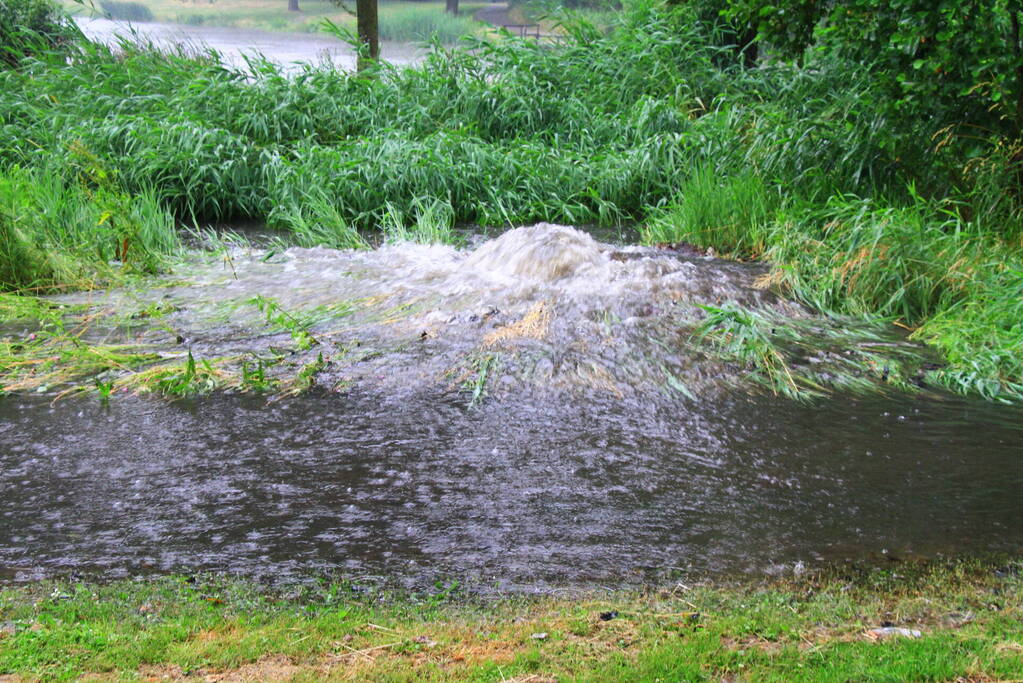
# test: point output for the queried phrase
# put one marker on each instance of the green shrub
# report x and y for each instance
(29, 27)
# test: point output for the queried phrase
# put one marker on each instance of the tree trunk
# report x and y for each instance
(452, 6)
(369, 34)
(748, 47)
(292, 5)
(1017, 48)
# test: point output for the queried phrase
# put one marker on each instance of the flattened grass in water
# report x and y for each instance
(808, 359)
(812, 628)
(53, 348)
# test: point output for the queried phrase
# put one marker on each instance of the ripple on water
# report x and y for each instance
(518, 494)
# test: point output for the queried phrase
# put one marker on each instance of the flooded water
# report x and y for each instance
(289, 50)
(538, 306)
(523, 495)
(530, 413)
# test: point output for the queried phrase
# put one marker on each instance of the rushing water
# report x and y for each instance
(234, 44)
(581, 465)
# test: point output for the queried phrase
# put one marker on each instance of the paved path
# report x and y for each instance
(495, 13)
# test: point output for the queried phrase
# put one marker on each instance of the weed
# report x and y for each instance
(306, 377)
(254, 375)
(189, 379)
(296, 326)
(480, 370)
(104, 389)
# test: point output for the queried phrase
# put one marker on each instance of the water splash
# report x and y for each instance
(540, 306)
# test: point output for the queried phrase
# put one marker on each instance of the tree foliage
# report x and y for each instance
(956, 62)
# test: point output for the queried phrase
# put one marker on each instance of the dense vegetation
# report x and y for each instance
(868, 196)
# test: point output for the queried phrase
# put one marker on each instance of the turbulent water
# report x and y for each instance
(531, 412)
(545, 307)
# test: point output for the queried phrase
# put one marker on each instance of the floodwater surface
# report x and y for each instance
(532, 412)
(524, 495)
(289, 50)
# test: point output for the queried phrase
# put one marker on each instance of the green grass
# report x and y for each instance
(419, 24)
(729, 214)
(812, 628)
(952, 281)
(56, 233)
(126, 11)
(431, 223)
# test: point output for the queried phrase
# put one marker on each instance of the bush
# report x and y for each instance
(28, 27)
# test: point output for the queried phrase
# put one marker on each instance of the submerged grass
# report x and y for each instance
(816, 627)
(60, 349)
(951, 281)
(807, 359)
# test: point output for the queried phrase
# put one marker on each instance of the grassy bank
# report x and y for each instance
(58, 233)
(969, 616)
(651, 122)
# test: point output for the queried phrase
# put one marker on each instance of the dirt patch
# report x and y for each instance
(269, 668)
(273, 668)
